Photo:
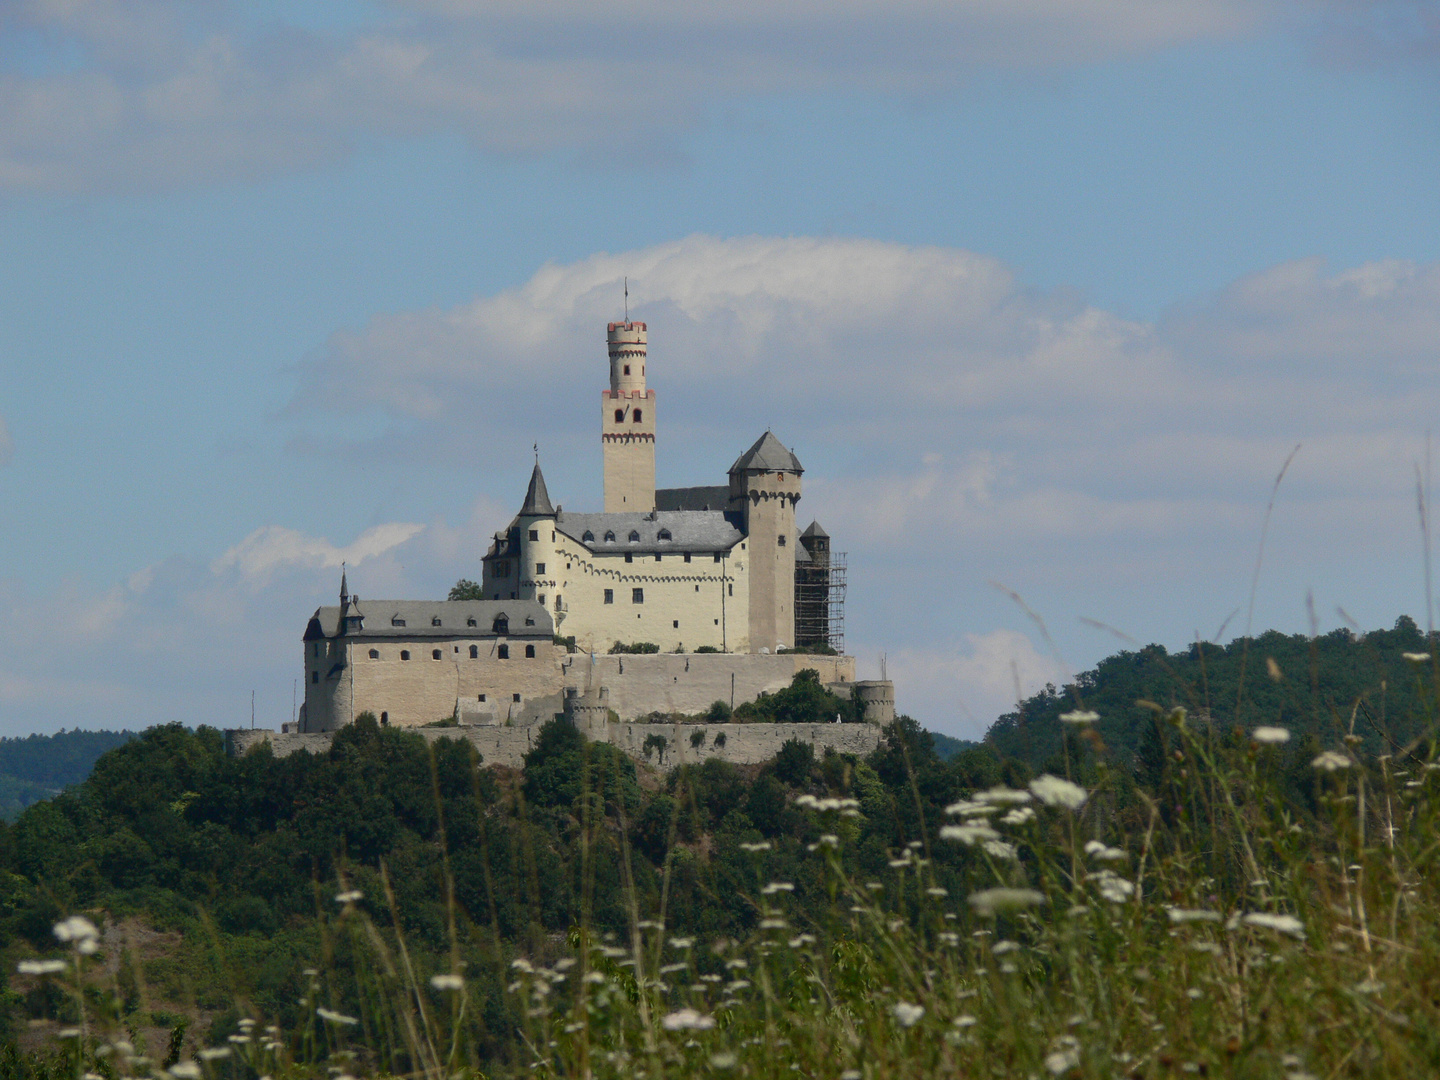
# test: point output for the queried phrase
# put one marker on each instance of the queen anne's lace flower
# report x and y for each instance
(1272, 736)
(1281, 924)
(970, 835)
(995, 901)
(1053, 791)
(906, 1014)
(687, 1020)
(1330, 761)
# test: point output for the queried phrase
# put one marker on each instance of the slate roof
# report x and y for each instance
(537, 499)
(690, 530)
(378, 619)
(767, 455)
(816, 529)
(693, 498)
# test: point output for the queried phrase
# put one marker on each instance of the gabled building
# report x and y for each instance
(679, 568)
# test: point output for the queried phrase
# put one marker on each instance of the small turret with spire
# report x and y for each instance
(351, 620)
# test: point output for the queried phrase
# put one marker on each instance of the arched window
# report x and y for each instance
(404, 654)
(475, 649)
(663, 535)
(619, 415)
(374, 654)
(609, 539)
(589, 537)
(501, 624)
(529, 652)
(634, 537)
(503, 652)
(434, 654)
(638, 416)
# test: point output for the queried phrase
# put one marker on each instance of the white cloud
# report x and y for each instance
(274, 547)
(961, 687)
(168, 93)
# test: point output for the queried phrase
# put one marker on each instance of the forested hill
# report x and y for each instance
(1323, 687)
(38, 766)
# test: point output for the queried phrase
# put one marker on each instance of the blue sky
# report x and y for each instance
(1042, 293)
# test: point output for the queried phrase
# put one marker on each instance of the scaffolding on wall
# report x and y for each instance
(820, 600)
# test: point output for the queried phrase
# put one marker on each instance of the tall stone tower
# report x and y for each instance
(765, 486)
(627, 423)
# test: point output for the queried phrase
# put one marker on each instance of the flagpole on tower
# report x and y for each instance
(627, 299)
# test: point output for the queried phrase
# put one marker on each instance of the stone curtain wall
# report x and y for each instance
(740, 744)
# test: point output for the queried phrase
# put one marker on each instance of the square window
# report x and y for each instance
(529, 652)
(534, 534)
(540, 566)
(434, 654)
(675, 624)
(780, 539)
(539, 599)
(374, 654)
(629, 557)
(717, 622)
(514, 697)
(609, 596)
(637, 596)
(503, 652)
(482, 697)
(657, 556)
(687, 556)
(717, 556)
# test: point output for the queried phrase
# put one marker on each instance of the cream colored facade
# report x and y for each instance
(627, 423)
(683, 569)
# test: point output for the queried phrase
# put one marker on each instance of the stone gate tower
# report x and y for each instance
(627, 423)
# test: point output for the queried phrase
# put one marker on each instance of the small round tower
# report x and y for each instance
(589, 712)
(627, 345)
(627, 423)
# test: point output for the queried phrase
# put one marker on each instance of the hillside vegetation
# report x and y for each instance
(38, 766)
(1194, 885)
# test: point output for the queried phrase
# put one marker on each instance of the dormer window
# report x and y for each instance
(610, 536)
(471, 621)
(634, 537)
(397, 621)
(435, 620)
(529, 620)
(589, 537)
(664, 534)
(501, 624)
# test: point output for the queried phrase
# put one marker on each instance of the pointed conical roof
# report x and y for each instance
(816, 529)
(767, 455)
(537, 499)
(344, 589)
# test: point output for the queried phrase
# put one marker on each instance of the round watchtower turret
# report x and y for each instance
(589, 711)
(627, 357)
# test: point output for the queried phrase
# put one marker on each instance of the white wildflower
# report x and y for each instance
(682, 943)
(1271, 736)
(999, 849)
(993, 901)
(936, 890)
(1053, 791)
(215, 1053)
(1096, 850)
(776, 887)
(1187, 915)
(964, 1020)
(1019, 816)
(335, 1017)
(447, 982)
(687, 1020)
(1114, 889)
(1003, 796)
(40, 967)
(1079, 716)
(907, 1015)
(1416, 657)
(723, 1061)
(1061, 1061)
(773, 924)
(763, 845)
(827, 840)
(76, 928)
(801, 939)
(185, 1070)
(1281, 924)
(970, 835)
(350, 896)
(806, 800)
(1330, 761)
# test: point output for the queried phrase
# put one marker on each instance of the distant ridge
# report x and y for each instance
(36, 767)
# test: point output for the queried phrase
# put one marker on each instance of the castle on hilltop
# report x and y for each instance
(667, 601)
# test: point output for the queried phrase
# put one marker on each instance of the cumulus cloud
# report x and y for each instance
(273, 547)
(140, 93)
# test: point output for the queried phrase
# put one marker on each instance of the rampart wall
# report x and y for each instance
(662, 745)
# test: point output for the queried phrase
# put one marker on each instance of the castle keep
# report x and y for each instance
(719, 579)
